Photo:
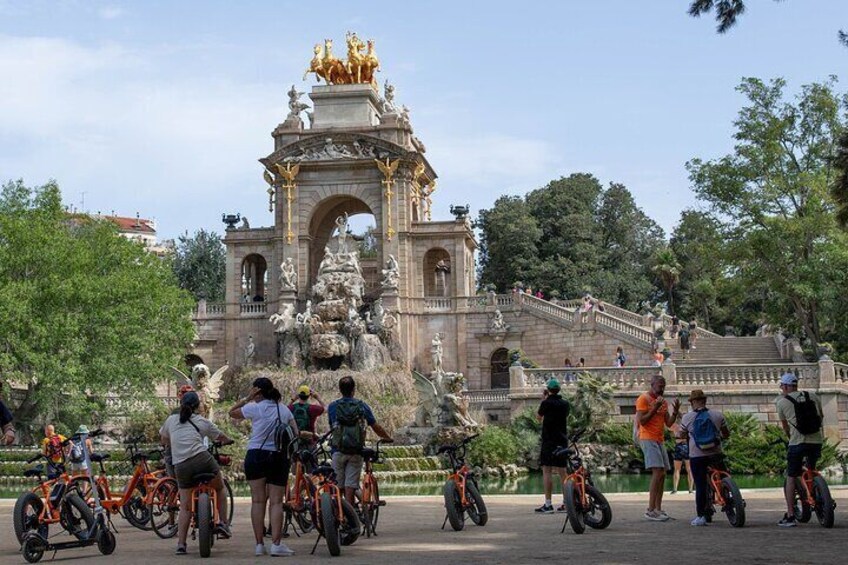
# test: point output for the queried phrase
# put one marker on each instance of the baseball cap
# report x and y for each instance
(552, 384)
(190, 399)
(304, 390)
(789, 379)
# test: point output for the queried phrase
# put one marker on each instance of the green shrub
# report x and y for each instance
(494, 446)
(614, 433)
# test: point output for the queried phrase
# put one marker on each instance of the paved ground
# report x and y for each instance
(410, 534)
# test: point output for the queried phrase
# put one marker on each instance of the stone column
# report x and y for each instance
(516, 378)
(829, 399)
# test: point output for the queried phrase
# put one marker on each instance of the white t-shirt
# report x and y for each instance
(186, 442)
(263, 418)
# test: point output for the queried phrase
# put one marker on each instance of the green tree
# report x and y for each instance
(200, 264)
(772, 194)
(508, 245)
(667, 269)
(84, 312)
(839, 190)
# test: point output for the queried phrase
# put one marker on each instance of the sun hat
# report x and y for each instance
(83, 429)
(789, 379)
(552, 384)
(697, 394)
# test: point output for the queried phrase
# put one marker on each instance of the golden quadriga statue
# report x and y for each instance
(358, 69)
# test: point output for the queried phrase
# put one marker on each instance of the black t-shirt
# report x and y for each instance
(5, 415)
(555, 410)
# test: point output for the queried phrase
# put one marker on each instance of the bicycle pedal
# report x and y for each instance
(381, 503)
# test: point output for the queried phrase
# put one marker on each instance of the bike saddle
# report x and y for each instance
(325, 470)
(36, 471)
(201, 478)
(98, 457)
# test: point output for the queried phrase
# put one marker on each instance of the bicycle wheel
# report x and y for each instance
(27, 509)
(135, 511)
(573, 509)
(803, 511)
(599, 513)
(476, 507)
(75, 516)
(453, 506)
(33, 549)
(165, 508)
(204, 524)
(106, 542)
(350, 527)
(83, 486)
(734, 506)
(330, 524)
(228, 500)
(824, 502)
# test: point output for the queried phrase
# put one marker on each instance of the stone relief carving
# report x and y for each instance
(331, 151)
(498, 324)
(249, 352)
(436, 353)
(284, 320)
(295, 105)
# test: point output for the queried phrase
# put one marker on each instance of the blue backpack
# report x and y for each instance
(704, 432)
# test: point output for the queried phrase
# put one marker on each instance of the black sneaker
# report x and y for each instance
(787, 521)
(545, 509)
(223, 531)
(181, 550)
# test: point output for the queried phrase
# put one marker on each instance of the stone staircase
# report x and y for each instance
(727, 351)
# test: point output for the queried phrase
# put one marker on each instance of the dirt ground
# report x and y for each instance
(409, 533)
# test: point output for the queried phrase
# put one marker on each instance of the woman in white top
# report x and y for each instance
(184, 433)
(265, 468)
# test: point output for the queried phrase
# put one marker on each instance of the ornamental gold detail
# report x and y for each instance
(359, 68)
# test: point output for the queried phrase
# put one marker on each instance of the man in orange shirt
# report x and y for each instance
(652, 416)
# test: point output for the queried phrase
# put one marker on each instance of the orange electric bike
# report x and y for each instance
(812, 494)
(584, 503)
(461, 490)
(369, 499)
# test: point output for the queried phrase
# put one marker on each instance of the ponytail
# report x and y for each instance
(185, 413)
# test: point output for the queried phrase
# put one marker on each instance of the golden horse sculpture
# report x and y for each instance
(358, 69)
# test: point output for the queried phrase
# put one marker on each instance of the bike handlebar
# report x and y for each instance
(35, 458)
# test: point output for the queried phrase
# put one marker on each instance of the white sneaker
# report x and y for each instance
(281, 550)
(260, 549)
(698, 521)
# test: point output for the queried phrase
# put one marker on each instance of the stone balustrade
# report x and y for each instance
(492, 396)
(623, 378)
(438, 304)
(747, 376)
(840, 373)
(253, 308)
(529, 302)
(624, 315)
(625, 329)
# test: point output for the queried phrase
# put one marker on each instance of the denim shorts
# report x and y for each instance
(681, 452)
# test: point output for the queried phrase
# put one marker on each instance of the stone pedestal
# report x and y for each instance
(345, 106)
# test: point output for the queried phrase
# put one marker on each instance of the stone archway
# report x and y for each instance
(254, 278)
(499, 376)
(438, 276)
(193, 359)
(322, 227)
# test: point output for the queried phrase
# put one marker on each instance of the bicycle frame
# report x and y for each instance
(715, 477)
(213, 499)
(579, 477)
(141, 476)
(807, 477)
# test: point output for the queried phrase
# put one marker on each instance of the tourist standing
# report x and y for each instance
(305, 413)
(75, 454)
(349, 416)
(652, 417)
(553, 414)
(693, 334)
(681, 458)
(675, 327)
(800, 414)
(620, 357)
(6, 422)
(683, 338)
(265, 468)
(582, 362)
(704, 429)
(185, 433)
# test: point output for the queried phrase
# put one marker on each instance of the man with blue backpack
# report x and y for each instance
(705, 430)
(349, 417)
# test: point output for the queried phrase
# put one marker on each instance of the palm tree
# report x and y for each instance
(667, 269)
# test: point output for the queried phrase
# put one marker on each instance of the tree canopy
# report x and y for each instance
(84, 312)
(200, 264)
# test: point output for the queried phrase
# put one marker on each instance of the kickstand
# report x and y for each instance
(290, 522)
(314, 547)
(564, 524)
(445, 522)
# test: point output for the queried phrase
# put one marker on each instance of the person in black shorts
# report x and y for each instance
(553, 413)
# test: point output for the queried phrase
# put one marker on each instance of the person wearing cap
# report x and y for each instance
(553, 413)
(184, 433)
(801, 446)
(305, 413)
(652, 417)
(701, 456)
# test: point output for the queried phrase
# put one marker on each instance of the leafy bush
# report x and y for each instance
(591, 404)
(494, 446)
(614, 433)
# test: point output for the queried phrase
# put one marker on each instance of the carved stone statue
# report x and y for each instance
(288, 275)
(306, 316)
(436, 353)
(207, 386)
(341, 225)
(389, 98)
(245, 225)
(284, 320)
(442, 269)
(249, 352)
(441, 402)
(295, 105)
(498, 324)
(391, 274)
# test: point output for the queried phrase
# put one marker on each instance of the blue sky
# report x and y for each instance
(163, 108)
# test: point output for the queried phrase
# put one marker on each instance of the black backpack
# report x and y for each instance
(807, 418)
(349, 433)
